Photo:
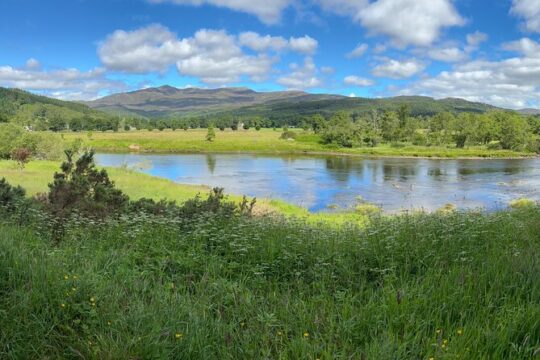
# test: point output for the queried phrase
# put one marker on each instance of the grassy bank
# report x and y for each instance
(38, 174)
(461, 285)
(265, 141)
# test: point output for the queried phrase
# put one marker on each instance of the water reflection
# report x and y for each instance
(316, 182)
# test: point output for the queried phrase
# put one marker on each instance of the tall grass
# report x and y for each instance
(410, 287)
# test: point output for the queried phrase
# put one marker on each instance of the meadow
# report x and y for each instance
(266, 141)
(440, 286)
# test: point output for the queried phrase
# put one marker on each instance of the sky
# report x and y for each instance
(479, 50)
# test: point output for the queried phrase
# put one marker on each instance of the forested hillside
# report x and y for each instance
(43, 113)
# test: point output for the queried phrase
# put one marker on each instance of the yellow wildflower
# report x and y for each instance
(178, 335)
(279, 333)
(62, 305)
(460, 332)
(109, 323)
(93, 299)
(445, 341)
(438, 331)
(306, 334)
(66, 277)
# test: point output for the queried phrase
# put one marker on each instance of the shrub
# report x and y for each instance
(10, 196)
(521, 203)
(287, 134)
(21, 156)
(82, 187)
(494, 145)
(211, 134)
(419, 139)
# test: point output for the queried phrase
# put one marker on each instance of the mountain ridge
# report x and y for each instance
(168, 101)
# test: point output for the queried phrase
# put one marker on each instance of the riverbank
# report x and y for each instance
(267, 141)
(35, 177)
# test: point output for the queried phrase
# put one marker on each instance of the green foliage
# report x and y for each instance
(211, 134)
(81, 187)
(514, 133)
(215, 287)
(9, 134)
(10, 196)
(342, 131)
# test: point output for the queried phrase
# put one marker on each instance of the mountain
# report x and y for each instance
(529, 111)
(168, 101)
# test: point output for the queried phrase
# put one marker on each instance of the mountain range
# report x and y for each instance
(168, 101)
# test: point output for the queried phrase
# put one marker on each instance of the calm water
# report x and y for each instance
(319, 182)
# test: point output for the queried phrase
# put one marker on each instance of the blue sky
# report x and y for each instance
(479, 50)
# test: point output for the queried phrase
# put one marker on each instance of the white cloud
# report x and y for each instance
(219, 72)
(357, 81)
(529, 10)
(358, 51)
(476, 38)
(214, 56)
(301, 77)
(305, 45)
(525, 46)
(395, 69)
(260, 43)
(152, 48)
(33, 64)
(72, 84)
(268, 11)
(512, 82)
(448, 54)
(406, 22)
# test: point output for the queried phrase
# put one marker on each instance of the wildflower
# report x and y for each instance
(66, 277)
(73, 289)
(242, 324)
(93, 299)
(109, 323)
(460, 332)
(75, 277)
(438, 331)
(445, 342)
(279, 333)
(306, 334)
(62, 305)
(178, 335)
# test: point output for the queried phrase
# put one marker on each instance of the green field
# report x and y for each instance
(462, 285)
(265, 141)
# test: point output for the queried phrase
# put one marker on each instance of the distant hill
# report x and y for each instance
(42, 112)
(167, 101)
(529, 111)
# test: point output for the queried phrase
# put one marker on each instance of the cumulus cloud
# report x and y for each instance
(511, 82)
(406, 22)
(395, 69)
(301, 77)
(525, 46)
(476, 38)
(304, 45)
(259, 43)
(529, 10)
(152, 48)
(358, 51)
(357, 81)
(70, 83)
(268, 11)
(447, 54)
(214, 56)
